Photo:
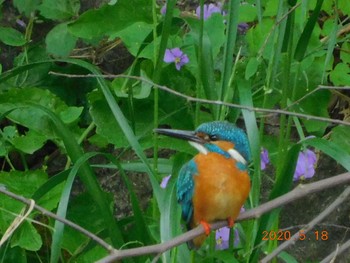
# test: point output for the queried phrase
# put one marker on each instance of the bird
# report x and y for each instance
(215, 183)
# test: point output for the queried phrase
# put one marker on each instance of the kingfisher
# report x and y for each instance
(215, 183)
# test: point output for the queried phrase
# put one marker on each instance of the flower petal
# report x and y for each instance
(169, 56)
(165, 181)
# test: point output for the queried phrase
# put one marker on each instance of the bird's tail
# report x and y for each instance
(197, 242)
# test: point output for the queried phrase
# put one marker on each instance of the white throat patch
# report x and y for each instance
(237, 156)
(199, 147)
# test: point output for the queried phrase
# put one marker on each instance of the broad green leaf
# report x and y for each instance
(60, 42)
(271, 8)
(344, 6)
(34, 118)
(26, 6)
(345, 52)
(247, 13)
(251, 68)
(110, 19)
(30, 142)
(321, 99)
(340, 136)
(11, 37)
(286, 257)
(59, 9)
(23, 183)
(340, 76)
(106, 125)
(92, 255)
(257, 38)
(27, 237)
(70, 114)
(133, 36)
(337, 152)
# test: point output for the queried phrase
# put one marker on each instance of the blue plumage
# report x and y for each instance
(185, 187)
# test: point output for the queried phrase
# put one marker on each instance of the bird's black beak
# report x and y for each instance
(181, 134)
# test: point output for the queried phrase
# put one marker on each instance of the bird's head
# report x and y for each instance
(217, 136)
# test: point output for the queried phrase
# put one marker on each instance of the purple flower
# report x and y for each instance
(163, 10)
(305, 165)
(264, 158)
(222, 237)
(242, 28)
(208, 10)
(177, 56)
(165, 181)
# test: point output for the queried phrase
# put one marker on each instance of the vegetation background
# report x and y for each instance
(84, 83)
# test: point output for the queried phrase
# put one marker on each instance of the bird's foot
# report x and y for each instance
(230, 222)
(206, 226)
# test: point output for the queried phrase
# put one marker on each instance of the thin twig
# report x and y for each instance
(215, 102)
(24, 200)
(297, 193)
(341, 198)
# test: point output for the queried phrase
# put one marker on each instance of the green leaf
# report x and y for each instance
(340, 76)
(340, 136)
(11, 37)
(251, 68)
(60, 42)
(34, 118)
(247, 13)
(304, 39)
(109, 19)
(133, 36)
(337, 152)
(344, 6)
(59, 9)
(26, 6)
(27, 237)
(106, 125)
(70, 114)
(321, 99)
(345, 52)
(23, 183)
(30, 142)
(287, 257)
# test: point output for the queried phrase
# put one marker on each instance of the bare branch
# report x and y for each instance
(297, 193)
(214, 102)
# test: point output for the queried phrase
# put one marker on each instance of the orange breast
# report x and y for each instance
(220, 188)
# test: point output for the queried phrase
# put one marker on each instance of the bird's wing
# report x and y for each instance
(185, 188)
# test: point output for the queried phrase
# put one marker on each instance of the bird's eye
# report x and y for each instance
(213, 137)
